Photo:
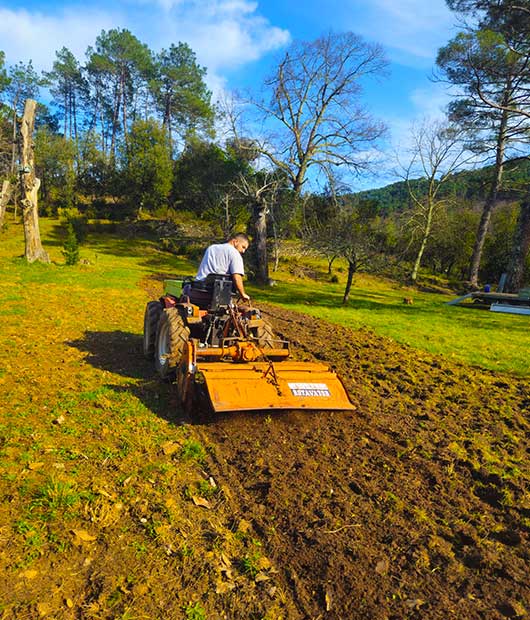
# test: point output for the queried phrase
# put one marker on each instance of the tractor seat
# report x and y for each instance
(213, 293)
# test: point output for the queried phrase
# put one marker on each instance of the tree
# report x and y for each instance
(147, 166)
(4, 80)
(68, 86)
(315, 109)
(484, 64)
(24, 83)
(344, 228)
(437, 152)
(204, 178)
(510, 20)
(54, 157)
(118, 66)
(5, 148)
(180, 92)
(70, 249)
(261, 189)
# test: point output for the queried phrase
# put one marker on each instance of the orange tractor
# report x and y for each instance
(226, 354)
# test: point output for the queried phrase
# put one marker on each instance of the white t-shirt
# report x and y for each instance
(221, 258)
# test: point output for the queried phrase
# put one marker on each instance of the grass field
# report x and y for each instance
(489, 340)
(481, 338)
(106, 502)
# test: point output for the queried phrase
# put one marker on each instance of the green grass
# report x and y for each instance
(477, 337)
(495, 341)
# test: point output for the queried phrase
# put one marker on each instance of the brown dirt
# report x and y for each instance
(414, 506)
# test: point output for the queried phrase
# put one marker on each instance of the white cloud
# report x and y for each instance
(430, 101)
(225, 34)
(412, 30)
(35, 36)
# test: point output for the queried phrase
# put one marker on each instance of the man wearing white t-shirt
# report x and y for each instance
(226, 259)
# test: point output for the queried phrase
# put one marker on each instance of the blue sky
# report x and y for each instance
(238, 40)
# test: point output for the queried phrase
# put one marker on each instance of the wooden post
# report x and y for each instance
(29, 187)
(5, 196)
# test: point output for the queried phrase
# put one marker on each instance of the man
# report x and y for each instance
(226, 259)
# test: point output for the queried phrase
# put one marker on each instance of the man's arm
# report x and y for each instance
(238, 282)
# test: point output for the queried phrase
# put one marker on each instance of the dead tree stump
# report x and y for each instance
(29, 187)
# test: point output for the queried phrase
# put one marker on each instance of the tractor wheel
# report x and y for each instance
(265, 336)
(171, 335)
(153, 310)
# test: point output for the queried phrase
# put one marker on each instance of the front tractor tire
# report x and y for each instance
(171, 336)
(265, 336)
(153, 310)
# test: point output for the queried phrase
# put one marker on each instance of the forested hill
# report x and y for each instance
(468, 185)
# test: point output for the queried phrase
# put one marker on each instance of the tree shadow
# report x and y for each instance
(121, 353)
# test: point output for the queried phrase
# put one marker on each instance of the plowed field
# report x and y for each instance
(414, 506)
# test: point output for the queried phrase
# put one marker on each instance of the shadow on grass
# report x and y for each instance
(333, 300)
(120, 353)
(131, 246)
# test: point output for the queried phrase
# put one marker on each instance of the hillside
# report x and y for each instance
(466, 186)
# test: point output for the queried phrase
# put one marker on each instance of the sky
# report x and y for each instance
(238, 42)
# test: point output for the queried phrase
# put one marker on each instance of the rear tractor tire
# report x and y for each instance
(171, 336)
(153, 310)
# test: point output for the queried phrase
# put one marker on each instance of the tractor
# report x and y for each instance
(223, 354)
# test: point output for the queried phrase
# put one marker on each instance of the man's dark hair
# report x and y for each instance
(239, 235)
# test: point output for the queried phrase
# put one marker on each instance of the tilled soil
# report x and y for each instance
(416, 505)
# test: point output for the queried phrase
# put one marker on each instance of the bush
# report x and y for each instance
(78, 221)
(71, 246)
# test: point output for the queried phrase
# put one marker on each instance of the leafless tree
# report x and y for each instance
(261, 189)
(351, 231)
(437, 152)
(314, 115)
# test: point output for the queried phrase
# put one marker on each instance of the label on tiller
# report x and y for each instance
(309, 389)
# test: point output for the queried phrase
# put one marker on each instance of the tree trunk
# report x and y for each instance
(260, 242)
(489, 204)
(352, 268)
(521, 244)
(426, 235)
(124, 115)
(227, 225)
(29, 187)
(14, 145)
(5, 196)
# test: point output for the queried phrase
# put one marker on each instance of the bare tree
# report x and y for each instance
(314, 111)
(261, 189)
(353, 231)
(437, 152)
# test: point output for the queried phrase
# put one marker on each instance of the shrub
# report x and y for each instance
(71, 246)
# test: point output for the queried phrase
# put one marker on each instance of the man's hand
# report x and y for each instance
(238, 282)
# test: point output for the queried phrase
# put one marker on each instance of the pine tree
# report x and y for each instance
(71, 246)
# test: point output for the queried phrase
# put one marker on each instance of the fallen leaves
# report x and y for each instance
(82, 536)
(201, 501)
(35, 466)
(381, 568)
(29, 573)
